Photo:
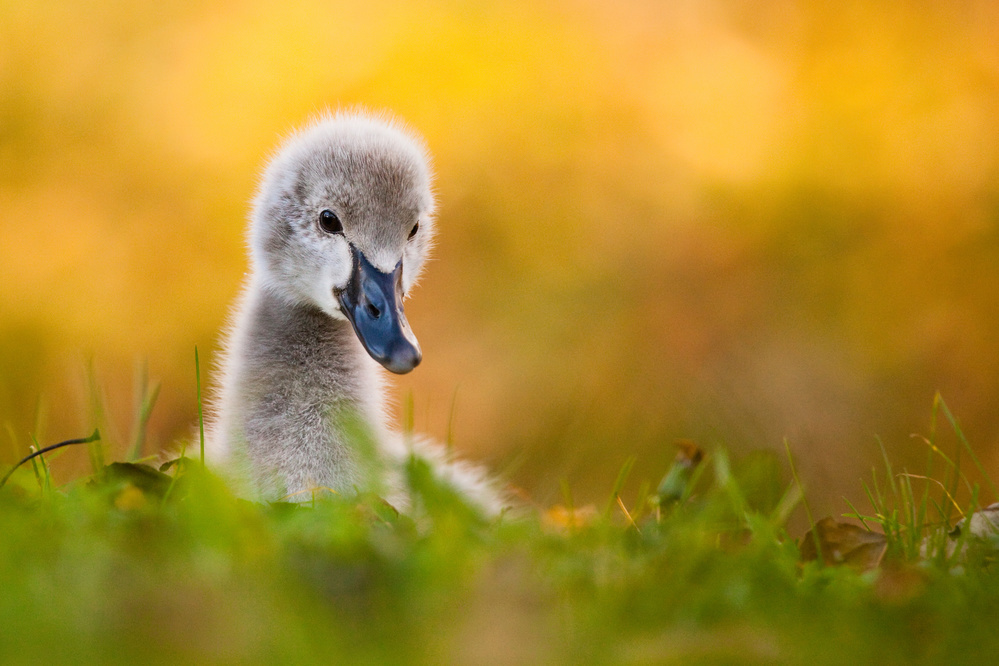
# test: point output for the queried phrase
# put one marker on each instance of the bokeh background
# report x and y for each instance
(730, 221)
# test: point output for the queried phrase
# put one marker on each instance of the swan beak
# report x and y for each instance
(372, 301)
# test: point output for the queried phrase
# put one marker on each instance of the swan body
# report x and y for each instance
(340, 229)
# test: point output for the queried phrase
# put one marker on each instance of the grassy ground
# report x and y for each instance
(143, 566)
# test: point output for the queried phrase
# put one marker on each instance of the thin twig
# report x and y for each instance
(86, 440)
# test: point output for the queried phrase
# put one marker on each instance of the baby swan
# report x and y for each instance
(339, 232)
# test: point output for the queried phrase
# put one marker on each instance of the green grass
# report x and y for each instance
(138, 565)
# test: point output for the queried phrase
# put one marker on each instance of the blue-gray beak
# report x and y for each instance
(372, 301)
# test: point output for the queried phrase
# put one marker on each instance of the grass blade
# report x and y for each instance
(967, 447)
(145, 401)
(804, 500)
(449, 439)
(622, 476)
(856, 514)
(86, 440)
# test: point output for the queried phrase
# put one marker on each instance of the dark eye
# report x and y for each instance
(412, 232)
(329, 222)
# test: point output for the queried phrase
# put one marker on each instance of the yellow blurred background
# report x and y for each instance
(736, 222)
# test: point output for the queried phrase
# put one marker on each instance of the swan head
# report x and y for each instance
(343, 221)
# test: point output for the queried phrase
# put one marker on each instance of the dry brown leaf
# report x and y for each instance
(843, 543)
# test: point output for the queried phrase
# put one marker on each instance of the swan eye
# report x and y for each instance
(330, 223)
(412, 232)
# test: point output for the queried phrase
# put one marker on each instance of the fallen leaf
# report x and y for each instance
(843, 543)
(144, 477)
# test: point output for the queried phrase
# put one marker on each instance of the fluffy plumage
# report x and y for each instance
(340, 229)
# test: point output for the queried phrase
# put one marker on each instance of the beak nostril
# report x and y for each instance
(373, 310)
